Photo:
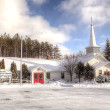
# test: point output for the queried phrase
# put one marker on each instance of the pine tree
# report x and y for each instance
(2, 64)
(13, 69)
(25, 72)
(89, 72)
(57, 54)
(107, 50)
(79, 70)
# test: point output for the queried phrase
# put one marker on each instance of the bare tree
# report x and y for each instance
(81, 53)
(69, 64)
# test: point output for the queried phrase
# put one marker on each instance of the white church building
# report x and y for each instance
(44, 73)
(43, 70)
(94, 56)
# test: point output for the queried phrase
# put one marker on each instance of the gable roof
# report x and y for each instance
(98, 65)
(85, 59)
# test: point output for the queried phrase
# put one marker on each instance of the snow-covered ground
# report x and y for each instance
(57, 95)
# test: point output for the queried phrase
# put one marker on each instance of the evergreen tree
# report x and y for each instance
(57, 54)
(107, 50)
(2, 64)
(13, 69)
(79, 70)
(25, 72)
(89, 72)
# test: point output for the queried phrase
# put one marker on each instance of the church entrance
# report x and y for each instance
(39, 77)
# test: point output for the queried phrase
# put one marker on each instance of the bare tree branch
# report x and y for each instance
(69, 63)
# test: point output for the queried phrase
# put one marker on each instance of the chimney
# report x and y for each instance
(48, 57)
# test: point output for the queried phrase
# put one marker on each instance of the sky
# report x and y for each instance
(62, 22)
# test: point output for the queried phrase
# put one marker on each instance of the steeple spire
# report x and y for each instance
(92, 36)
(92, 49)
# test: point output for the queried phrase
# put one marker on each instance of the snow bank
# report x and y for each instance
(59, 84)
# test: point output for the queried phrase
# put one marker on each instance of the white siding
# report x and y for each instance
(54, 76)
(103, 68)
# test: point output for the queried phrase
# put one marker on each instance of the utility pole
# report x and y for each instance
(21, 64)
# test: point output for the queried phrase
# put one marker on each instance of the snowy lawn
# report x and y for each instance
(55, 96)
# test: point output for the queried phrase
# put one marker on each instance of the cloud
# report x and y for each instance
(39, 2)
(85, 9)
(14, 18)
(64, 50)
(67, 28)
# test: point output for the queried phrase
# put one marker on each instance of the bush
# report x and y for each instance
(102, 79)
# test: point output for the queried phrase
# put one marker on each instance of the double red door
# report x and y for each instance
(39, 78)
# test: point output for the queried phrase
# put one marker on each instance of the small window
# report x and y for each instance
(100, 71)
(62, 75)
(48, 75)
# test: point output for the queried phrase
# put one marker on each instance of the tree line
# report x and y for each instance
(10, 46)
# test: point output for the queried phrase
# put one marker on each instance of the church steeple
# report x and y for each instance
(92, 49)
(92, 36)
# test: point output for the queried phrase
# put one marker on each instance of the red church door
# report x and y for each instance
(39, 78)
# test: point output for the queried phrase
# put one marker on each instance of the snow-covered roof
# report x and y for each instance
(86, 58)
(98, 65)
(50, 65)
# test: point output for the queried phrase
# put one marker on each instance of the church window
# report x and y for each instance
(48, 75)
(100, 71)
(62, 75)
